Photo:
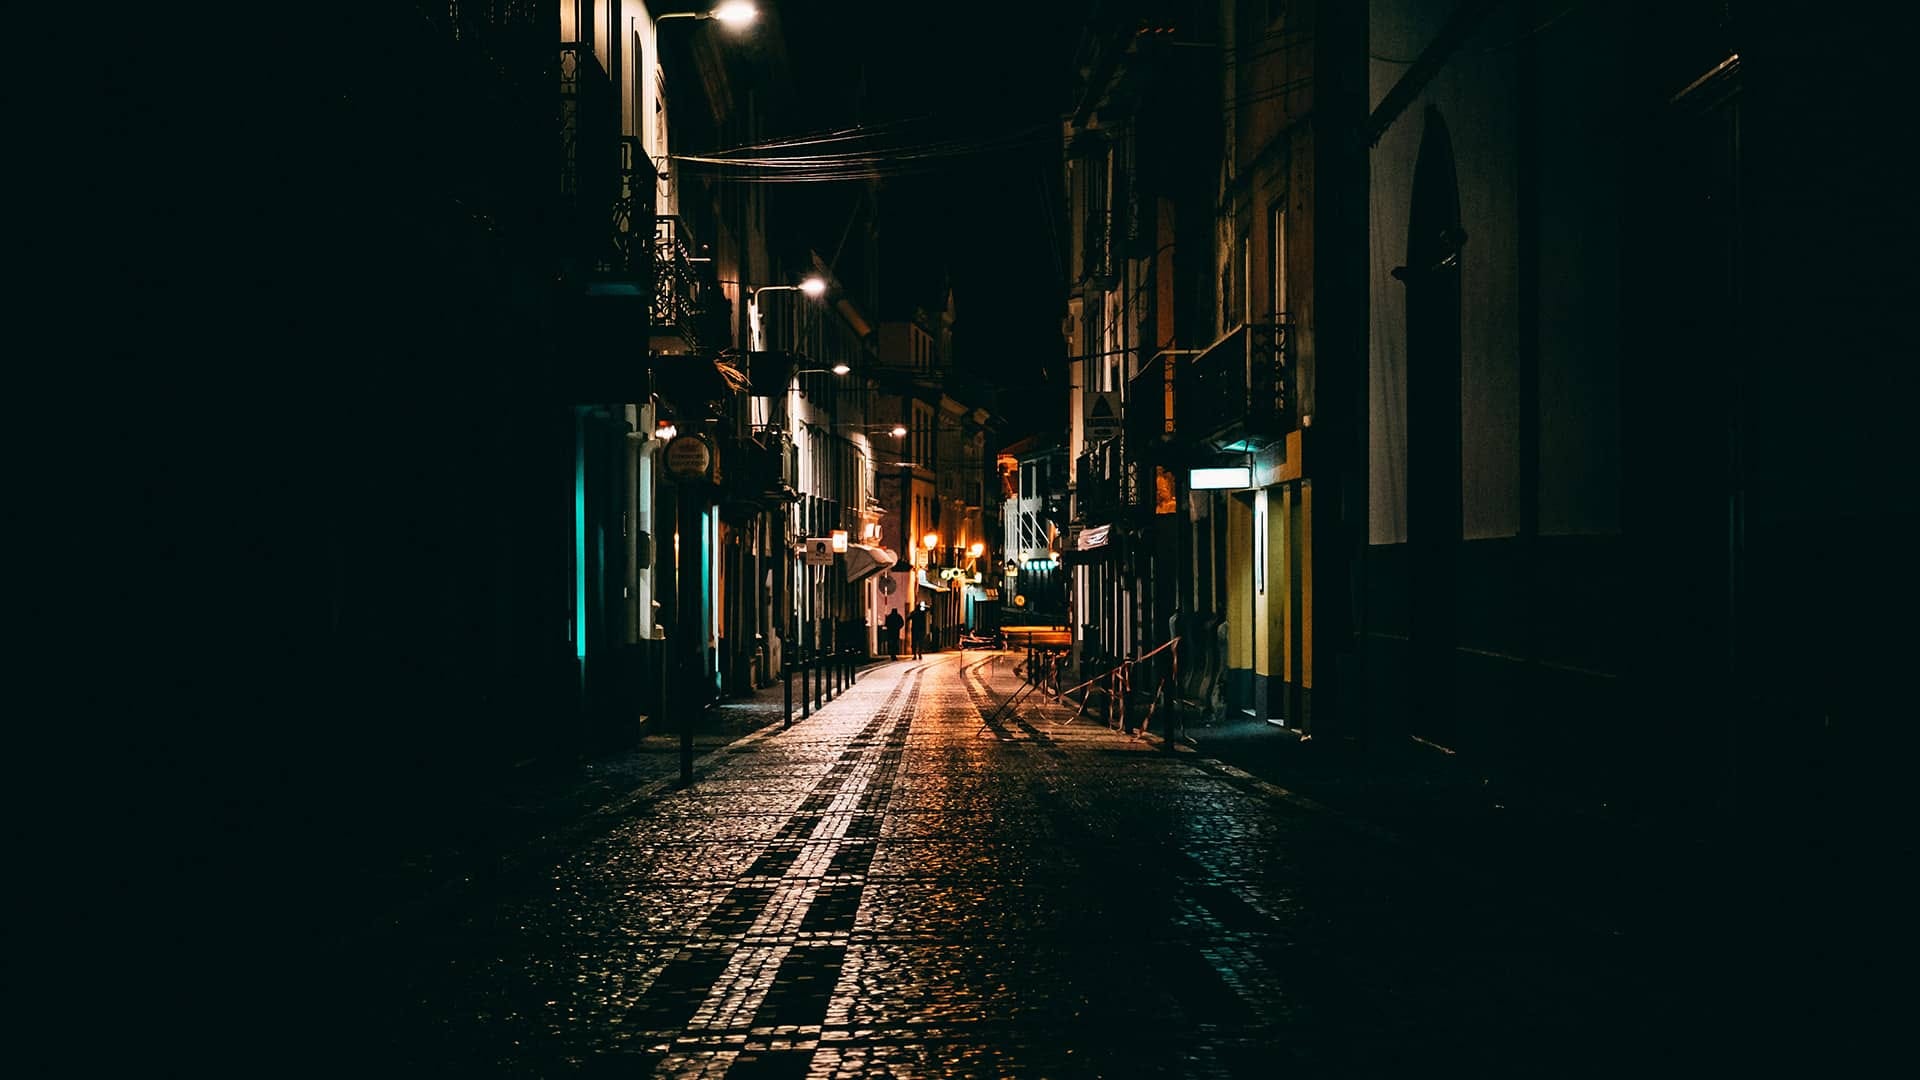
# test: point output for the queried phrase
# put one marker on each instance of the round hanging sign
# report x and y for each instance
(689, 455)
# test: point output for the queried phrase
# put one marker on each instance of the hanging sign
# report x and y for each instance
(819, 551)
(689, 455)
(1103, 415)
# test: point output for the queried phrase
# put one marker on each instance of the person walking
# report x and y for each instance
(917, 624)
(891, 639)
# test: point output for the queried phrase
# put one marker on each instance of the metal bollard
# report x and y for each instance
(787, 664)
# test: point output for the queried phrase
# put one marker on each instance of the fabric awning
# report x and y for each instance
(1089, 545)
(865, 560)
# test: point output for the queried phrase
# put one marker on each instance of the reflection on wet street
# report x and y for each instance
(893, 887)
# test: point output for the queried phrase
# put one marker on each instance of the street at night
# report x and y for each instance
(1087, 538)
(913, 882)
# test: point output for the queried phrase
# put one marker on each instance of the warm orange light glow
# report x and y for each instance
(839, 538)
(932, 540)
(814, 287)
(898, 431)
(977, 550)
(736, 12)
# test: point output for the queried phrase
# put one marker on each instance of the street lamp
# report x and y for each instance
(978, 549)
(733, 13)
(931, 540)
(814, 287)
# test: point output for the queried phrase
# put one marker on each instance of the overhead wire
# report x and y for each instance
(870, 153)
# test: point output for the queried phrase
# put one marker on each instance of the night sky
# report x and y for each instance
(992, 222)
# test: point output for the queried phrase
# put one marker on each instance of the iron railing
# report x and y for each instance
(1241, 389)
(628, 255)
(677, 306)
(589, 141)
(1098, 488)
(1099, 244)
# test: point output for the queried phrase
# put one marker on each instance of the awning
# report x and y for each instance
(865, 560)
(1089, 545)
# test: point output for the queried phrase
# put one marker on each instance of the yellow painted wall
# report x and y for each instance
(1275, 640)
(1239, 583)
(1263, 606)
(1306, 583)
(1280, 585)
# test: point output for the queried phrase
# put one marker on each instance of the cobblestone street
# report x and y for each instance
(894, 887)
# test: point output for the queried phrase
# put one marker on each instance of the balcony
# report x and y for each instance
(1099, 497)
(1151, 398)
(774, 466)
(626, 258)
(689, 311)
(1098, 248)
(1238, 395)
(589, 155)
(756, 472)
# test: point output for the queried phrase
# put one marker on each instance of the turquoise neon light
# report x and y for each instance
(579, 542)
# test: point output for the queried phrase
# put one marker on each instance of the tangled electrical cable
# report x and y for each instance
(859, 153)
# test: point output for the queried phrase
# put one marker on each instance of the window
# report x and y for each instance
(1277, 245)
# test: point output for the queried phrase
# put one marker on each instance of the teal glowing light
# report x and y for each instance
(579, 543)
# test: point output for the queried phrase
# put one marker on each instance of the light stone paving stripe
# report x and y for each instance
(738, 995)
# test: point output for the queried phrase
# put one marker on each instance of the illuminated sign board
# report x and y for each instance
(1238, 476)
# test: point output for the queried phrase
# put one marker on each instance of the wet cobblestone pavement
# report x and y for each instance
(907, 885)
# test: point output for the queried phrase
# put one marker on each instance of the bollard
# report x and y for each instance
(787, 665)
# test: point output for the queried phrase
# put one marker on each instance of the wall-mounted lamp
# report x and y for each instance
(733, 13)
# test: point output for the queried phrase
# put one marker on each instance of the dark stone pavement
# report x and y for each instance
(915, 883)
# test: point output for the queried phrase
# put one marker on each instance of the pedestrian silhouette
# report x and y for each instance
(891, 639)
(918, 624)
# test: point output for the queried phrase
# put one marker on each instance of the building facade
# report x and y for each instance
(1427, 331)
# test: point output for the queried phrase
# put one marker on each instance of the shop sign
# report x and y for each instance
(689, 456)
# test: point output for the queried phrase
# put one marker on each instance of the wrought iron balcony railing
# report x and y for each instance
(679, 304)
(1239, 393)
(1099, 260)
(628, 255)
(1098, 490)
(589, 148)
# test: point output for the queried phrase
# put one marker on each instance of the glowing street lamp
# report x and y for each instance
(978, 549)
(932, 540)
(814, 287)
(898, 431)
(733, 13)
